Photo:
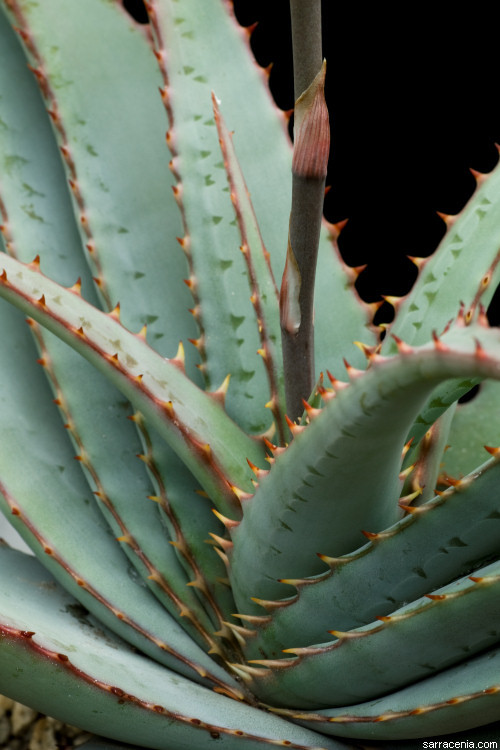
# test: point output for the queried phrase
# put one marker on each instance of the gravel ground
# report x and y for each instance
(21, 728)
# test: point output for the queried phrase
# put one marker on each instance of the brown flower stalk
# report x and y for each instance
(309, 166)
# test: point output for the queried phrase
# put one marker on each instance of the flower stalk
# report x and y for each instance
(309, 167)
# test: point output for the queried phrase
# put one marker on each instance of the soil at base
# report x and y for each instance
(21, 728)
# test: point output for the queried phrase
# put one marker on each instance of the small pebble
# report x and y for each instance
(21, 728)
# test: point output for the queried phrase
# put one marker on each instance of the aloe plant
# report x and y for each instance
(217, 565)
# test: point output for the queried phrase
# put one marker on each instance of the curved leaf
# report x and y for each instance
(213, 447)
(98, 682)
(317, 498)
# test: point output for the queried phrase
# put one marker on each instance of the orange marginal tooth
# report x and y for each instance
(115, 312)
(410, 508)
(274, 663)
(77, 287)
(352, 371)
(358, 270)
(254, 468)
(222, 556)
(240, 494)
(482, 317)
(279, 450)
(143, 332)
(384, 717)
(435, 597)
(226, 545)
(257, 620)
(407, 447)
(42, 302)
(307, 406)
(303, 651)
(447, 327)
(343, 634)
(250, 29)
(418, 262)
(339, 226)
(493, 451)
(438, 344)
(270, 446)
(479, 352)
(169, 409)
(229, 523)
(259, 473)
(384, 618)
(478, 176)
(179, 360)
(370, 535)
(163, 90)
(337, 384)
(246, 673)
(80, 331)
(450, 481)
(240, 632)
(476, 579)
(65, 152)
(326, 393)
(461, 315)
(402, 346)
(447, 218)
(271, 605)
(311, 411)
(126, 538)
(368, 351)
(297, 582)
(406, 472)
(332, 562)
(347, 366)
(198, 343)
(294, 428)
(220, 393)
(411, 497)
(392, 300)
(35, 263)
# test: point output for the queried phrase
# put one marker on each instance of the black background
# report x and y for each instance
(413, 98)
